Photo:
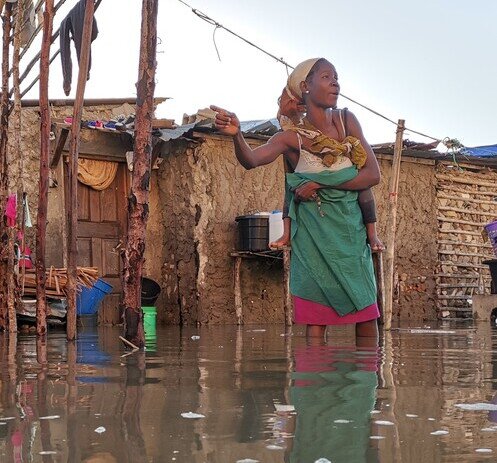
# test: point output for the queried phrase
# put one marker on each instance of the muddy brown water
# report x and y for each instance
(254, 394)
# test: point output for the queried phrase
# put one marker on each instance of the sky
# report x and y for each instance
(430, 62)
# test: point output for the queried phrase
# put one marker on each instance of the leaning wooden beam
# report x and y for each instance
(38, 29)
(41, 222)
(59, 147)
(4, 127)
(37, 78)
(35, 59)
(72, 210)
(138, 208)
(16, 147)
(392, 225)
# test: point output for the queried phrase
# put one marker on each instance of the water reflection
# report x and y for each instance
(333, 392)
(265, 395)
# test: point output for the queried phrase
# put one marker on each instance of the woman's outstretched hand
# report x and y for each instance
(307, 191)
(226, 122)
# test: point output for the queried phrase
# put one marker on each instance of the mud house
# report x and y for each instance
(444, 202)
(197, 191)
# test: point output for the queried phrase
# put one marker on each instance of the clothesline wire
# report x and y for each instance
(217, 25)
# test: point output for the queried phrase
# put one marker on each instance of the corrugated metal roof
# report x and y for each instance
(266, 127)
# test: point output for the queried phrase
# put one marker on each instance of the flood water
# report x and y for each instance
(254, 394)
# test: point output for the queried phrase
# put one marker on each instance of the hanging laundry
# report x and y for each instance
(72, 27)
(11, 210)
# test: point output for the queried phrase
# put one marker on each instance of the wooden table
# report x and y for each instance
(283, 255)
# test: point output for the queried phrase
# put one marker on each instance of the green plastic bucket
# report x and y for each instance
(149, 325)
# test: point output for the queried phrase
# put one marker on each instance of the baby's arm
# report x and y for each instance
(368, 209)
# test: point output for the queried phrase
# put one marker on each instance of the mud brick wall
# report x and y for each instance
(203, 189)
(416, 247)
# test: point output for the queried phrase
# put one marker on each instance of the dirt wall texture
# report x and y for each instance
(203, 189)
(416, 247)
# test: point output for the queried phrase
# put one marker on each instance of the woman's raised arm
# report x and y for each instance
(228, 124)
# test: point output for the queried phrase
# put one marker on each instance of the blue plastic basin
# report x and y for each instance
(89, 299)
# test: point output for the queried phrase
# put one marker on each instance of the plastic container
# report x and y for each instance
(89, 299)
(253, 232)
(275, 225)
(149, 325)
(150, 292)
(491, 230)
(493, 272)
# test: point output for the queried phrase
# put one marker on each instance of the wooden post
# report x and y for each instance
(392, 224)
(72, 185)
(380, 282)
(4, 127)
(12, 282)
(286, 288)
(237, 290)
(138, 207)
(41, 222)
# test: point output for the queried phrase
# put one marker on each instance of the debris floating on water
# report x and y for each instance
(342, 421)
(100, 430)
(484, 450)
(192, 415)
(50, 417)
(284, 408)
(478, 406)
(384, 423)
(195, 338)
(377, 437)
(440, 432)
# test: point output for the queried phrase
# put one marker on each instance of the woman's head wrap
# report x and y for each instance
(298, 75)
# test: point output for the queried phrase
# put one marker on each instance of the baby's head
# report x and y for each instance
(290, 109)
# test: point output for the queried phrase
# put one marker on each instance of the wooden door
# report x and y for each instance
(101, 226)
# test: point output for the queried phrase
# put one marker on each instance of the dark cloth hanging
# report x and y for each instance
(72, 27)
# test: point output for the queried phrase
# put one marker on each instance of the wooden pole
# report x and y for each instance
(237, 289)
(288, 301)
(4, 127)
(392, 225)
(12, 286)
(72, 185)
(138, 208)
(41, 222)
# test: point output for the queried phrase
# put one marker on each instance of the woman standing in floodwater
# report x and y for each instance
(331, 275)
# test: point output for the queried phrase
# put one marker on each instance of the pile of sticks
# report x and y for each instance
(57, 279)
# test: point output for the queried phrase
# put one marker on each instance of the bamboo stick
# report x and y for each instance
(452, 231)
(461, 190)
(469, 200)
(462, 222)
(457, 275)
(465, 181)
(456, 298)
(72, 212)
(467, 211)
(392, 225)
(465, 243)
(460, 285)
(463, 254)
